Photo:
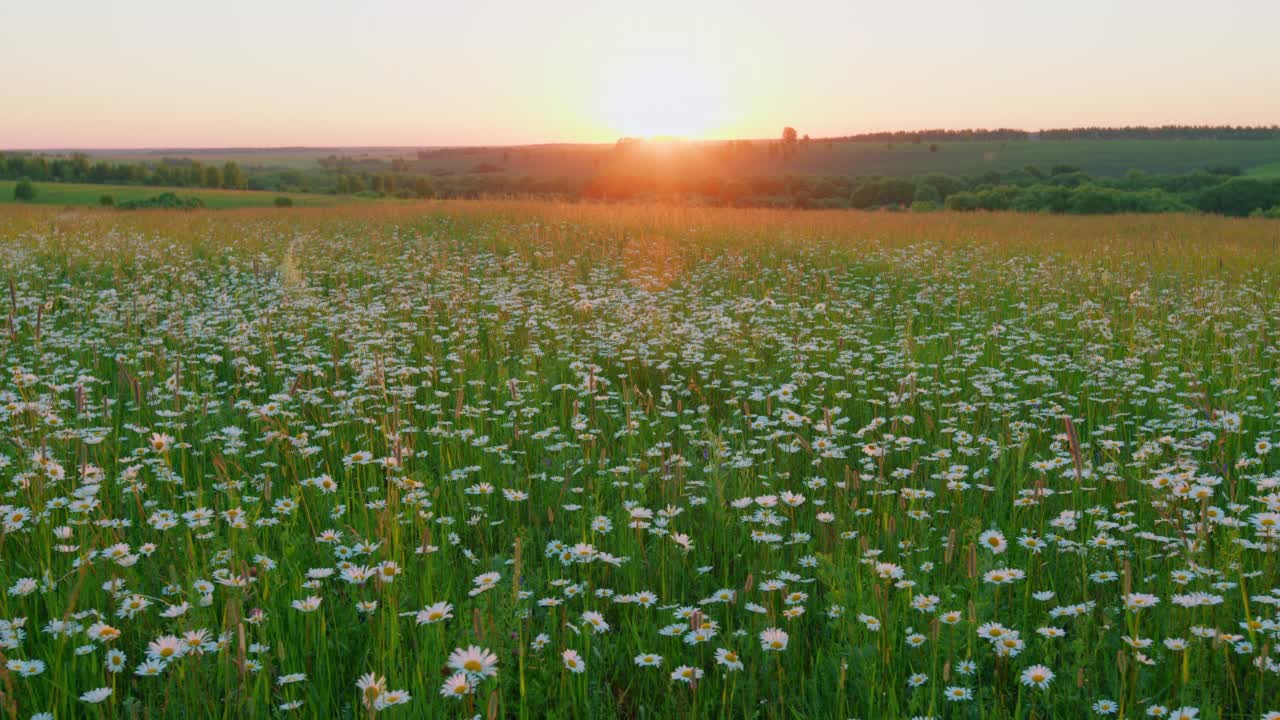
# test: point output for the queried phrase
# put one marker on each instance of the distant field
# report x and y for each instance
(1095, 157)
(86, 194)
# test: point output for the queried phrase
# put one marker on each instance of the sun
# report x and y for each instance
(656, 97)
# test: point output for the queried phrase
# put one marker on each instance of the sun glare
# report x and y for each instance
(661, 98)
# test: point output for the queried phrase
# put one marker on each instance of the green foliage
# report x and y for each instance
(964, 202)
(944, 185)
(106, 200)
(24, 191)
(925, 193)
(884, 192)
(212, 177)
(1084, 199)
(233, 177)
(283, 202)
(423, 187)
(1239, 196)
(166, 201)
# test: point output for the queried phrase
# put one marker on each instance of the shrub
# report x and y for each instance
(964, 201)
(24, 191)
(1093, 200)
(887, 191)
(166, 200)
(926, 194)
(283, 202)
(106, 200)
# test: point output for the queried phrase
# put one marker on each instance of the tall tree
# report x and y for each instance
(212, 177)
(232, 176)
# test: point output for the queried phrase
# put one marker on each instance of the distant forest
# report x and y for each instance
(1139, 132)
(772, 173)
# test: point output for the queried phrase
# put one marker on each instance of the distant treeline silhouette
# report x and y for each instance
(1137, 132)
(1165, 132)
(937, 135)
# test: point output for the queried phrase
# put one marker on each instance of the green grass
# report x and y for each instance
(79, 194)
(703, 425)
(1268, 170)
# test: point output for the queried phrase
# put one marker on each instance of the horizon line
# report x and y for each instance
(402, 146)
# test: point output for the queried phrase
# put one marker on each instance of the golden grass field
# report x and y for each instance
(1191, 242)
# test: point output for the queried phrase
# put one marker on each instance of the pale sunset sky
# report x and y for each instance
(146, 73)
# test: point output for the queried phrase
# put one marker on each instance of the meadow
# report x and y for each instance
(90, 195)
(516, 459)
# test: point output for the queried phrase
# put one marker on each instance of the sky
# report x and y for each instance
(264, 73)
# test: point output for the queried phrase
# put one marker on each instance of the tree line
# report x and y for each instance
(1057, 189)
(1165, 132)
(1137, 132)
(934, 135)
(79, 168)
(1060, 189)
